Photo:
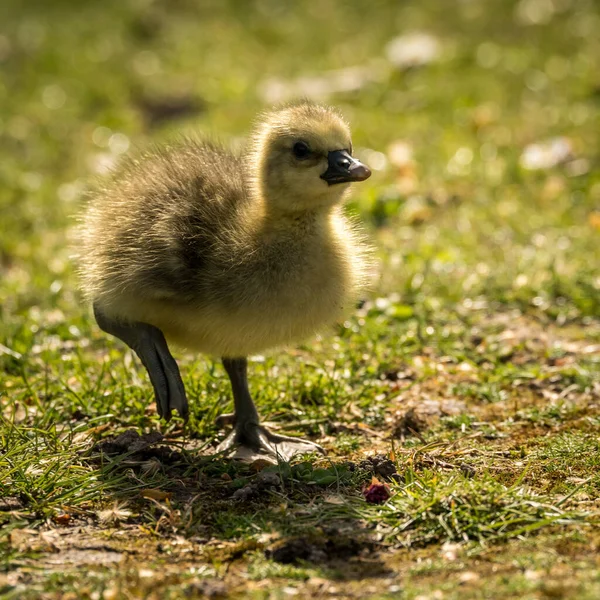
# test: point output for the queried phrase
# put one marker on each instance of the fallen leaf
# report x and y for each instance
(156, 494)
(62, 519)
(333, 499)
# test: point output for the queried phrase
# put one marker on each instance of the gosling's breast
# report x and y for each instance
(280, 294)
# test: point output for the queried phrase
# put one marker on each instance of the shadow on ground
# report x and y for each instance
(206, 501)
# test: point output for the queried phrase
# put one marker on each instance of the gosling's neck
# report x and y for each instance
(280, 210)
(271, 218)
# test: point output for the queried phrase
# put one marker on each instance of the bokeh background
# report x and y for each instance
(481, 122)
(480, 119)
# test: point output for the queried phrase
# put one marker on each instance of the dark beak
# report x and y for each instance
(343, 168)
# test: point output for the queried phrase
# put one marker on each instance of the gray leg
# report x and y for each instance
(248, 434)
(150, 345)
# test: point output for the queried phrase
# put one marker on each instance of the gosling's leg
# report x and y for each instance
(248, 434)
(150, 345)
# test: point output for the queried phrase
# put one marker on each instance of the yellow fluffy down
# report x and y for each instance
(224, 255)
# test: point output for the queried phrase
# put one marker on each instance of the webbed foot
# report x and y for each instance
(252, 441)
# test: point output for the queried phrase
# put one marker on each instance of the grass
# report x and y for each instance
(471, 369)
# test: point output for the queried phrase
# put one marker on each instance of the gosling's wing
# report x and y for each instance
(152, 229)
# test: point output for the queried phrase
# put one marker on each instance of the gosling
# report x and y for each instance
(228, 254)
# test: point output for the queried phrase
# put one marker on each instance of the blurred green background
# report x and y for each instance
(481, 121)
(480, 117)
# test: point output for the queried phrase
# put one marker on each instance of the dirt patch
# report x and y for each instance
(85, 557)
(257, 488)
(142, 446)
(207, 588)
(379, 465)
(10, 503)
(408, 423)
(317, 549)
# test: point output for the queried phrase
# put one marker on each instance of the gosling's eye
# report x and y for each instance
(301, 150)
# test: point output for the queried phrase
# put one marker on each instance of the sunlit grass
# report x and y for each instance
(483, 319)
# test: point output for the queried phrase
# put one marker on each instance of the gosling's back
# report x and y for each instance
(149, 231)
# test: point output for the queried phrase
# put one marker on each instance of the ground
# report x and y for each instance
(466, 382)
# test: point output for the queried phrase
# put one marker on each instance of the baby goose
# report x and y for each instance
(228, 254)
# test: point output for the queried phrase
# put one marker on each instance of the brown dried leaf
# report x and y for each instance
(62, 519)
(156, 494)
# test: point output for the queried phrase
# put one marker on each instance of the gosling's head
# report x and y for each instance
(303, 158)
